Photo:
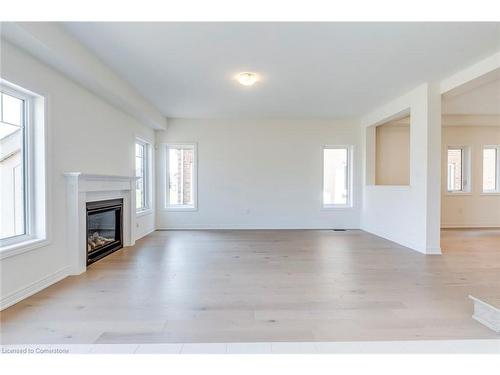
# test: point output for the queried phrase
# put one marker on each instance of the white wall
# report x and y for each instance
(85, 135)
(408, 215)
(259, 173)
(473, 209)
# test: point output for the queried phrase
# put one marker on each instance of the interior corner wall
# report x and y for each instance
(85, 134)
(408, 215)
(260, 173)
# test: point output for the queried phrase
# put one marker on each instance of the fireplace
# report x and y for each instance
(104, 228)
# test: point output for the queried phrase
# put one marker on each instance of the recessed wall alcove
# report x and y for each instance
(388, 151)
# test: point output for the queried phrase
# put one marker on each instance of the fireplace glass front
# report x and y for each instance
(104, 228)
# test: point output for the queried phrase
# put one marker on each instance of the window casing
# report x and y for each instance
(181, 184)
(14, 166)
(458, 169)
(337, 176)
(143, 174)
(491, 169)
(23, 170)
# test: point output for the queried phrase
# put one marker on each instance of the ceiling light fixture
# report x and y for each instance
(247, 78)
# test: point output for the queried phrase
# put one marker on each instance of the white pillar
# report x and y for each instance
(433, 227)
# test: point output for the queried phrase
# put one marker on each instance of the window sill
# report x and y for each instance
(22, 247)
(486, 193)
(145, 212)
(458, 194)
(389, 187)
(181, 208)
(337, 207)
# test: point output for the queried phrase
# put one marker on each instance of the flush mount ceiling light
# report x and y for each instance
(247, 78)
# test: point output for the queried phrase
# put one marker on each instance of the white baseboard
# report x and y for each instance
(433, 251)
(145, 234)
(403, 242)
(33, 288)
(469, 226)
(250, 227)
(391, 237)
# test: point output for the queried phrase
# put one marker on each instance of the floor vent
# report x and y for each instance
(339, 230)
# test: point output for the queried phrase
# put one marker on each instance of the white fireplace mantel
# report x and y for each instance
(82, 188)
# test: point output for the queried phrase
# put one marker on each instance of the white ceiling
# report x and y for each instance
(482, 100)
(308, 69)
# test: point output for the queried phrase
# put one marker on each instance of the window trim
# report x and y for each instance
(178, 207)
(35, 176)
(349, 179)
(496, 191)
(27, 166)
(466, 170)
(147, 180)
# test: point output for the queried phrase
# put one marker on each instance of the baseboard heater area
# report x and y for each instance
(104, 228)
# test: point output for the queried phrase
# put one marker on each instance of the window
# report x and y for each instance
(142, 172)
(491, 169)
(13, 158)
(181, 176)
(458, 169)
(22, 170)
(336, 176)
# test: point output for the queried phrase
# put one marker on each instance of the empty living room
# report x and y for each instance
(248, 187)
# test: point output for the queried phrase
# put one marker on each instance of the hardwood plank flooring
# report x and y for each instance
(261, 286)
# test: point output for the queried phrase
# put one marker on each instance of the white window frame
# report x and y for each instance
(181, 207)
(34, 174)
(497, 171)
(466, 170)
(349, 178)
(147, 179)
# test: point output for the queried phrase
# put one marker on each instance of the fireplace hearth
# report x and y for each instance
(104, 228)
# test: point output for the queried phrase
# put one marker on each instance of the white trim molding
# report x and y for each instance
(33, 288)
(469, 226)
(35, 175)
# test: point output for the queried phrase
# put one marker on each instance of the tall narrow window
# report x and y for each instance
(458, 173)
(336, 176)
(13, 205)
(142, 161)
(491, 169)
(23, 194)
(181, 176)
(455, 169)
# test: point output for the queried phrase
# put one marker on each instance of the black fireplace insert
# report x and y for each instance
(104, 228)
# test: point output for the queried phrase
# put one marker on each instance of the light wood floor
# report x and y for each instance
(251, 286)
